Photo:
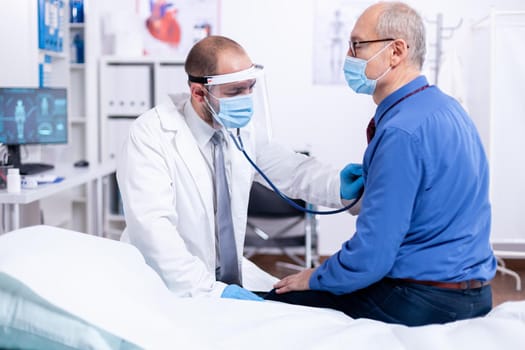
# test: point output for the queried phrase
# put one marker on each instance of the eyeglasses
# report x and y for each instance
(354, 45)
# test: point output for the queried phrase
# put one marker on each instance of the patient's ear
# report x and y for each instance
(400, 52)
(197, 92)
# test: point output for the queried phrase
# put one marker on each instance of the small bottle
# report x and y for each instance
(13, 180)
(78, 43)
(76, 11)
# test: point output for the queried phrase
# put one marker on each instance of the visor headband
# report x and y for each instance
(251, 73)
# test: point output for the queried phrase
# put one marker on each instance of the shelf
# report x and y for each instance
(113, 233)
(78, 120)
(77, 66)
(127, 116)
(76, 25)
(127, 60)
(54, 54)
(157, 77)
(79, 200)
(36, 63)
(115, 218)
(112, 59)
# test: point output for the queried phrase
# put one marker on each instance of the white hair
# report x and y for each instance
(399, 21)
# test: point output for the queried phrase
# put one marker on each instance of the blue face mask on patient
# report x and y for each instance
(355, 76)
(234, 112)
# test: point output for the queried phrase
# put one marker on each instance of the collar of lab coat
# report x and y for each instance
(171, 115)
(169, 111)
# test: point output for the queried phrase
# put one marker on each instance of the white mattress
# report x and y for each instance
(108, 284)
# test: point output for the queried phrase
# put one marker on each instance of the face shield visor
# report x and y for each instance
(239, 100)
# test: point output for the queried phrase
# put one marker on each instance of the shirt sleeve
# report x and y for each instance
(393, 175)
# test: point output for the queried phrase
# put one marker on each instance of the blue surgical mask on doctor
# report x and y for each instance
(355, 76)
(234, 112)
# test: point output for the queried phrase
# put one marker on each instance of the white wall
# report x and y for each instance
(502, 74)
(331, 119)
(17, 62)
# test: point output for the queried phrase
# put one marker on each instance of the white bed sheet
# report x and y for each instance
(108, 284)
(238, 325)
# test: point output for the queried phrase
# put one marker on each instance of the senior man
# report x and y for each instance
(421, 251)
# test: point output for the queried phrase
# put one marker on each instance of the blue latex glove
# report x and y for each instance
(351, 181)
(233, 291)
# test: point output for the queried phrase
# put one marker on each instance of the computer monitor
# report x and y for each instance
(32, 116)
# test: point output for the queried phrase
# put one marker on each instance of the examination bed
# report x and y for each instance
(63, 289)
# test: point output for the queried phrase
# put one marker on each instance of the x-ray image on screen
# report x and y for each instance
(33, 116)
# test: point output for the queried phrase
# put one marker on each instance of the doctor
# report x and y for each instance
(169, 168)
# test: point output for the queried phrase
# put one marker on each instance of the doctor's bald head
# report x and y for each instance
(210, 56)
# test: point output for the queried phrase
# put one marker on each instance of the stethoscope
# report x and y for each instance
(238, 143)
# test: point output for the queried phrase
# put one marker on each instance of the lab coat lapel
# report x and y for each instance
(240, 182)
(240, 168)
(188, 150)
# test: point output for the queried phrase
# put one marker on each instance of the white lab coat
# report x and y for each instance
(167, 192)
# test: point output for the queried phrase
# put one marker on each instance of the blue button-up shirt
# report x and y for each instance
(425, 213)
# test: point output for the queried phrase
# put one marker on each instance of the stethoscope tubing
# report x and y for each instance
(238, 143)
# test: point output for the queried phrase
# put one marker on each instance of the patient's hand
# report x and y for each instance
(296, 282)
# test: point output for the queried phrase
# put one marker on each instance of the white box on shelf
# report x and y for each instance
(118, 129)
(170, 79)
(128, 89)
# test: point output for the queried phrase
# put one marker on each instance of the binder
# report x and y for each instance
(51, 24)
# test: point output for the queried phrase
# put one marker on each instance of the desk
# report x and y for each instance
(91, 176)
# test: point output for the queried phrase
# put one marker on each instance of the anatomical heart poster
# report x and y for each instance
(172, 27)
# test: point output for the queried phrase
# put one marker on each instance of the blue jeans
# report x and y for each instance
(397, 301)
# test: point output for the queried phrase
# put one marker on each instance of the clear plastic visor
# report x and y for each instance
(247, 82)
(253, 72)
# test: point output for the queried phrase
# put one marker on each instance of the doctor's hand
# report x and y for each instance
(297, 282)
(233, 291)
(351, 181)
